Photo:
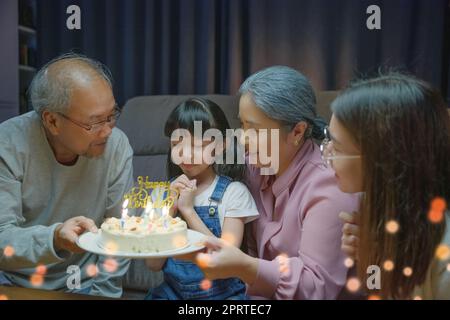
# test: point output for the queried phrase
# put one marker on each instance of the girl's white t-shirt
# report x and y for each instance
(237, 201)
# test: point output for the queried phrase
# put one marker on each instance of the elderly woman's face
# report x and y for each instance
(254, 119)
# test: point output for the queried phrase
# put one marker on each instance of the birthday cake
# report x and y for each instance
(142, 235)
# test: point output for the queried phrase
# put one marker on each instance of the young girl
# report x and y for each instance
(389, 137)
(209, 201)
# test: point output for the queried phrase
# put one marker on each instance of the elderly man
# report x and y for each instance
(64, 168)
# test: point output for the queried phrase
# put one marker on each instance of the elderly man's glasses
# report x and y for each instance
(329, 153)
(96, 126)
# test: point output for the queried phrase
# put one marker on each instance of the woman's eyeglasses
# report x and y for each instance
(329, 153)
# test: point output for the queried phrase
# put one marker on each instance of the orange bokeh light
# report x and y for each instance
(92, 270)
(110, 265)
(37, 280)
(283, 260)
(388, 265)
(41, 269)
(442, 252)
(203, 260)
(437, 208)
(407, 271)
(353, 284)
(8, 251)
(392, 226)
(205, 284)
(349, 262)
(179, 241)
(229, 238)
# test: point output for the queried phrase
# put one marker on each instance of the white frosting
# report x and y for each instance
(142, 235)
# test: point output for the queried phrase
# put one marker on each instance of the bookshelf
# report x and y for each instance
(27, 50)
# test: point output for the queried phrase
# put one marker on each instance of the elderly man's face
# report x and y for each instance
(90, 104)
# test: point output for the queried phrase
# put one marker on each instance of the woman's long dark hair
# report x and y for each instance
(211, 116)
(403, 129)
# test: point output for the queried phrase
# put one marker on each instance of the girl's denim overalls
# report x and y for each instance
(182, 279)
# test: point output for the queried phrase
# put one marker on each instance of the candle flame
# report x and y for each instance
(124, 213)
(149, 207)
(165, 211)
(125, 204)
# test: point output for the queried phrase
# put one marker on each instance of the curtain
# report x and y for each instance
(211, 46)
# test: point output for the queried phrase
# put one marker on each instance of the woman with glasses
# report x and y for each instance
(294, 247)
(389, 137)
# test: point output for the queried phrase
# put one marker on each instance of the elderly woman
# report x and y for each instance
(294, 247)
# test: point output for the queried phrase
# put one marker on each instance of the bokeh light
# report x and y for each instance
(179, 241)
(111, 247)
(353, 284)
(41, 269)
(392, 226)
(8, 251)
(442, 252)
(374, 297)
(437, 208)
(388, 265)
(36, 280)
(92, 270)
(3, 297)
(205, 284)
(229, 238)
(203, 260)
(407, 271)
(110, 265)
(283, 260)
(349, 262)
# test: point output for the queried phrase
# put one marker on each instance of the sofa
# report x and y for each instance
(143, 120)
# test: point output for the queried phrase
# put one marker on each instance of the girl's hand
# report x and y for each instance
(224, 260)
(185, 203)
(350, 233)
(180, 183)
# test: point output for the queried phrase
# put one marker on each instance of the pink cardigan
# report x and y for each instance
(299, 220)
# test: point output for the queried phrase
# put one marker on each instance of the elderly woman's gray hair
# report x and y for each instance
(284, 94)
(52, 86)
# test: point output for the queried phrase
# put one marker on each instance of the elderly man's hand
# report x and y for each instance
(66, 234)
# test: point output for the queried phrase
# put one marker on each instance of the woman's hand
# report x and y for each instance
(224, 260)
(350, 233)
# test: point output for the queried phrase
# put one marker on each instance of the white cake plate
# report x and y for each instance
(91, 242)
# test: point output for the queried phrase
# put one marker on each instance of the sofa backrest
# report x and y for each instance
(143, 120)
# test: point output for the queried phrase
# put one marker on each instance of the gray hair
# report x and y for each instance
(284, 94)
(51, 87)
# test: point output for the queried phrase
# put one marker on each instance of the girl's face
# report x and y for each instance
(189, 153)
(254, 119)
(348, 171)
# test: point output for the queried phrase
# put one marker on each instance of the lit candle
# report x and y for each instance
(149, 214)
(124, 213)
(165, 213)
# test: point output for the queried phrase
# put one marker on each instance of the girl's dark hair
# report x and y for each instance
(403, 129)
(211, 116)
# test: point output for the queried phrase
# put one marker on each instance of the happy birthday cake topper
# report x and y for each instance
(158, 193)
